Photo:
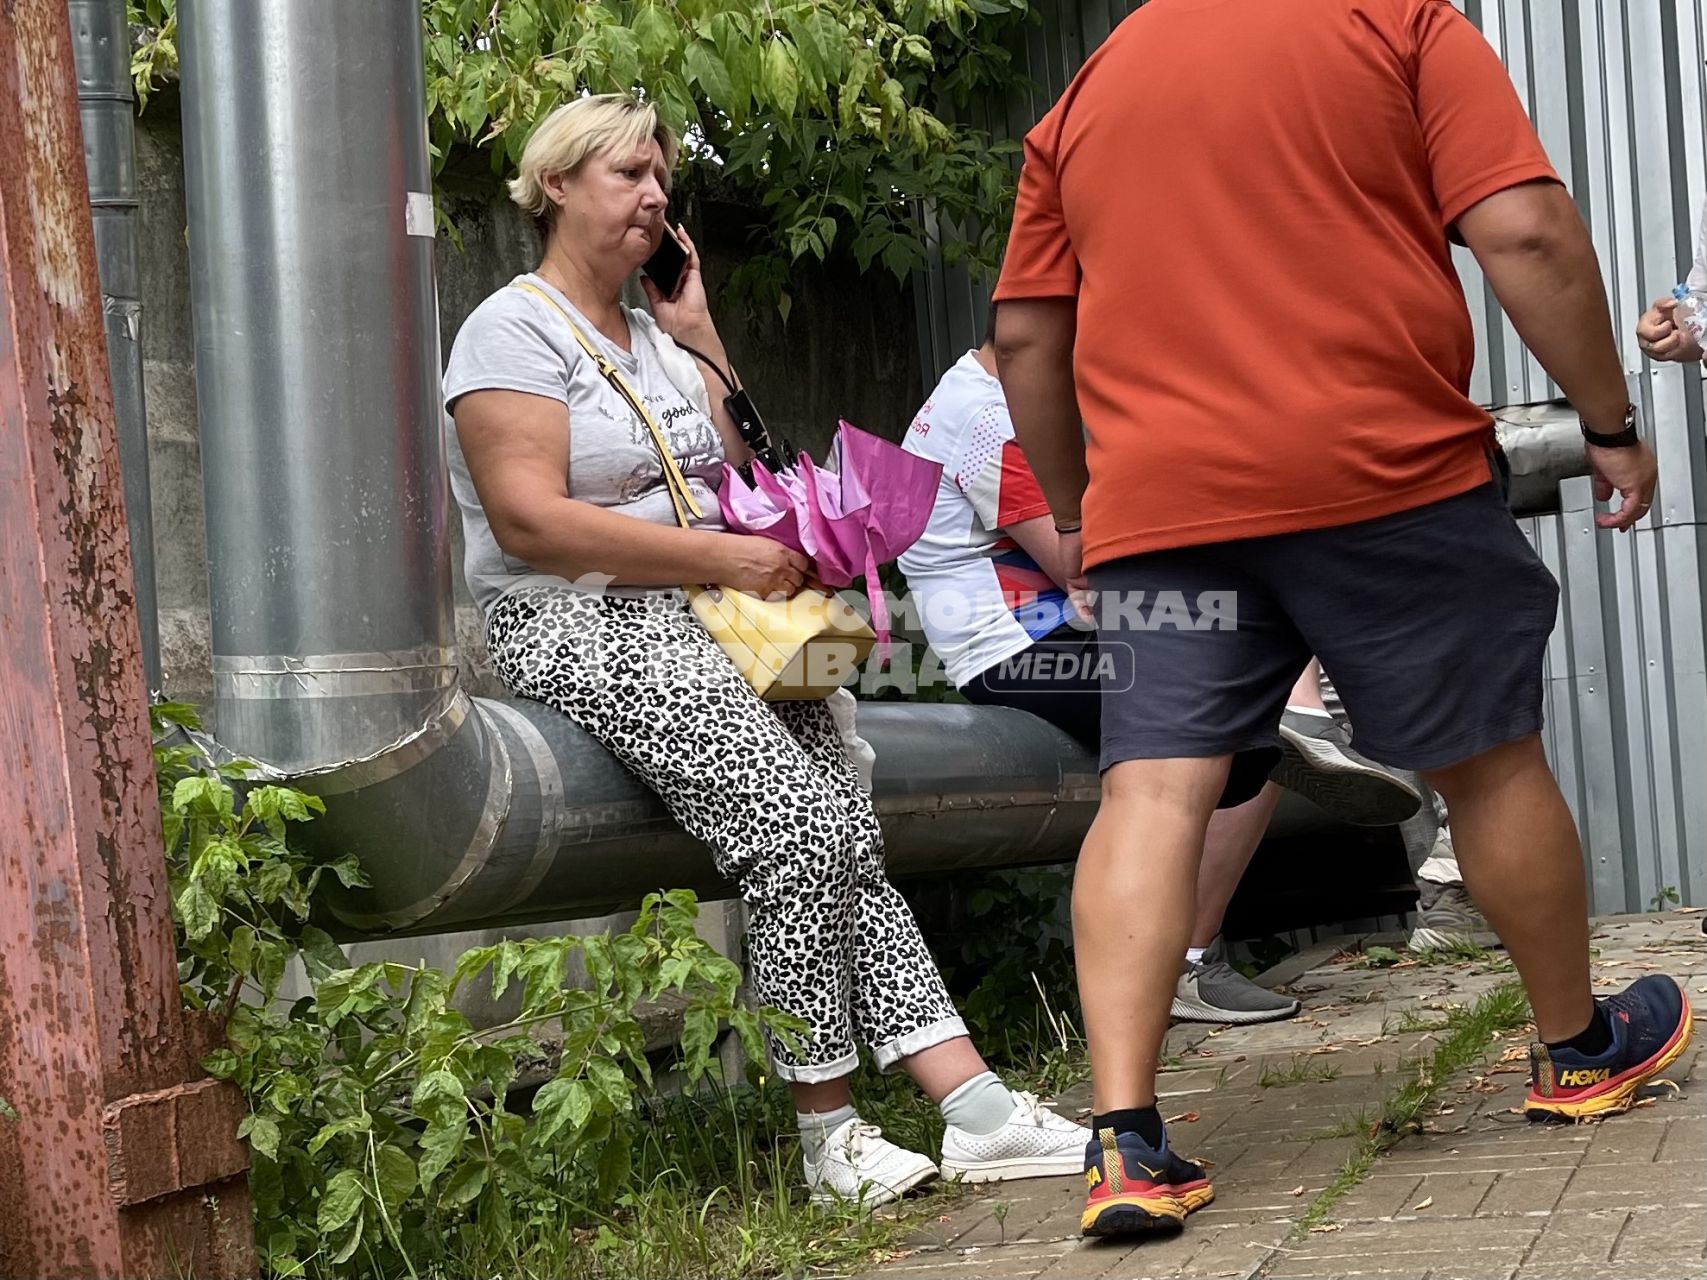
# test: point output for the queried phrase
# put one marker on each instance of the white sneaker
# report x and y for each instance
(1034, 1143)
(860, 1166)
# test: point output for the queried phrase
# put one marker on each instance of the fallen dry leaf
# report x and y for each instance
(1328, 1048)
(1670, 1084)
(1427, 1200)
(1687, 911)
(1606, 982)
(1325, 1228)
(1516, 1052)
(1184, 1117)
(1206, 1053)
(1445, 1111)
(1645, 1102)
(1298, 1190)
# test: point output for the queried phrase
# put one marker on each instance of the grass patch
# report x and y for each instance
(1410, 1022)
(717, 1191)
(1468, 1038)
(1301, 1070)
(1353, 1125)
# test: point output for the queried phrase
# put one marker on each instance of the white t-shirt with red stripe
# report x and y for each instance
(979, 596)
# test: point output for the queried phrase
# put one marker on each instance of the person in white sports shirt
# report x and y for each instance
(988, 586)
(1664, 331)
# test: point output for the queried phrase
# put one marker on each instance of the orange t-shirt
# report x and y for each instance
(1250, 200)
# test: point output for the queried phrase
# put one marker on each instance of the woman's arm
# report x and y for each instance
(687, 319)
(517, 449)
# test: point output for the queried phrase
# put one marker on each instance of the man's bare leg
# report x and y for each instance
(1134, 904)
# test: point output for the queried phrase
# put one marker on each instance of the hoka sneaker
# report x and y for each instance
(1034, 1143)
(860, 1166)
(1651, 1026)
(1135, 1189)
(1316, 761)
(1212, 990)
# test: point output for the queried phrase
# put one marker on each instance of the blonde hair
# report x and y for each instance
(578, 130)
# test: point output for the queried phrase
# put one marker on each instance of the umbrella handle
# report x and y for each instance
(879, 606)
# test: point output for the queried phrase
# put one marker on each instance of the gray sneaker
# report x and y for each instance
(1212, 990)
(1447, 920)
(1318, 763)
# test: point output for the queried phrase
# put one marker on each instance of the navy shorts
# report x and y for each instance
(1064, 679)
(1431, 623)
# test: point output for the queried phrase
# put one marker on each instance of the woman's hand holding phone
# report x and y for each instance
(684, 312)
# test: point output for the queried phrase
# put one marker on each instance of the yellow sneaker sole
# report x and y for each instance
(1622, 1096)
(1131, 1215)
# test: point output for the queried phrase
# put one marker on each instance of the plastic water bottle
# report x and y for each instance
(1692, 309)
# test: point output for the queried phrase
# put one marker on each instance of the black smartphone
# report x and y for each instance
(664, 267)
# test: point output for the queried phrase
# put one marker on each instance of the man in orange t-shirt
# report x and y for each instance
(1237, 355)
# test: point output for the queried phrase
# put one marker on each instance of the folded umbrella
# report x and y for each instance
(863, 508)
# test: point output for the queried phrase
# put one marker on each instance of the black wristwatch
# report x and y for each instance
(1628, 438)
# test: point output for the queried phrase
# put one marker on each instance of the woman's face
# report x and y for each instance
(613, 205)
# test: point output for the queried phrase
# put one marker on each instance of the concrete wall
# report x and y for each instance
(848, 350)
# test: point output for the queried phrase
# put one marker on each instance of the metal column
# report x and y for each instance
(122, 1162)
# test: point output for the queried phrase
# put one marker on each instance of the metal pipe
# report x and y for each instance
(1544, 445)
(317, 370)
(317, 377)
(100, 46)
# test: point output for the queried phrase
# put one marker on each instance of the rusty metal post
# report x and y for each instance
(122, 1160)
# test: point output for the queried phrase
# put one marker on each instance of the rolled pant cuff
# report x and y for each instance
(887, 1055)
(816, 1073)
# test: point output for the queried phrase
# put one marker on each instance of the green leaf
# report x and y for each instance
(561, 1102)
(270, 961)
(352, 1240)
(197, 911)
(780, 77)
(706, 69)
(438, 1087)
(263, 1135)
(699, 1030)
(657, 36)
(241, 957)
(395, 1177)
(465, 1184)
(320, 954)
(340, 1202)
(440, 1146)
(347, 1124)
(426, 999)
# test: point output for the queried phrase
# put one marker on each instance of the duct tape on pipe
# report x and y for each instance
(333, 675)
(418, 213)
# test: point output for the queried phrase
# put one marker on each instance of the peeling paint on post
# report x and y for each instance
(123, 1161)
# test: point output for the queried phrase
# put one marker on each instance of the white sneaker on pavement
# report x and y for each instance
(860, 1166)
(1034, 1143)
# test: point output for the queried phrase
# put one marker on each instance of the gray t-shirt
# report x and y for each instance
(516, 341)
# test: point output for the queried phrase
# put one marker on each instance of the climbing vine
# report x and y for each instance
(830, 119)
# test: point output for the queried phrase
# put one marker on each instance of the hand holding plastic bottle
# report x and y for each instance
(1674, 327)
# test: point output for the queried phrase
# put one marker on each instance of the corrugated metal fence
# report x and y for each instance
(1619, 96)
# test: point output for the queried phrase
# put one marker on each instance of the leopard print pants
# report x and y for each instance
(769, 789)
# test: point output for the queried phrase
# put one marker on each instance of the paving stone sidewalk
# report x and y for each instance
(1481, 1193)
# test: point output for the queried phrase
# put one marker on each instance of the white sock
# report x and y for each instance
(1309, 711)
(1194, 955)
(816, 1128)
(982, 1105)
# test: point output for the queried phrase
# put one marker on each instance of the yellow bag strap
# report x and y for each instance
(681, 497)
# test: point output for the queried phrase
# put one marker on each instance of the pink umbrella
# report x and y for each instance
(863, 508)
